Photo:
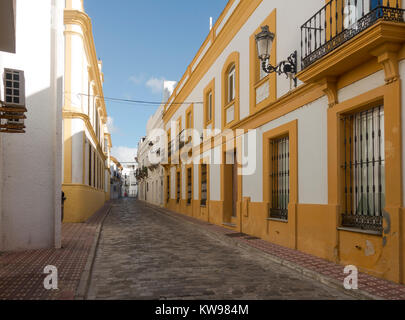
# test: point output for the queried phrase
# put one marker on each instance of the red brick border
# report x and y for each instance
(21, 273)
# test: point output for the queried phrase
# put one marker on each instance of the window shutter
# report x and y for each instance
(22, 88)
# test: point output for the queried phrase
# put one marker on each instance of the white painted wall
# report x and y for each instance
(30, 199)
(366, 84)
(312, 155)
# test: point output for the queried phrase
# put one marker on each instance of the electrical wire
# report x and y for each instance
(142, 102)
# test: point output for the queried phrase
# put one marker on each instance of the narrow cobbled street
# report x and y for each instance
(145, 254)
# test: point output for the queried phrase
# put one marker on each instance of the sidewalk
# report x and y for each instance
(21, 273)
(318, 269)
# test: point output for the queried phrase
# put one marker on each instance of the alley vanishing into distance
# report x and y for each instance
(145, 254)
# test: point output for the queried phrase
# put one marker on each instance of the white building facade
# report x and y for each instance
(151, 186)
(32, 50)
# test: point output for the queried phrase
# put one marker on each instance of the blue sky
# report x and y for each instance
(142, 42)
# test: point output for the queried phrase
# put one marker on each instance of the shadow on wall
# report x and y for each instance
(30, 177)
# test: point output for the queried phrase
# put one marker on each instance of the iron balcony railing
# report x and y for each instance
(341, 20)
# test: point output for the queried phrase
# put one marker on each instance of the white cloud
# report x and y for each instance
(155, 84)
(124, 154)
(137, 79)
(110, 125)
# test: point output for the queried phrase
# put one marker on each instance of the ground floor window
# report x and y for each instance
(168, 189)
(364, 169)
(280, 178)
(178, 187)
(203, 184)
(189, 186)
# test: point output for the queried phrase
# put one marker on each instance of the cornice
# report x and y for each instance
(76, 17)
(86, 119)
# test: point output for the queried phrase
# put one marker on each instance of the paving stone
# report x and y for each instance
(151, 255)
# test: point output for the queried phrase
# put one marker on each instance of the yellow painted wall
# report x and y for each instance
(316, 230)
(364, 251)
(216, 212)
(82, 202)
(254, 220)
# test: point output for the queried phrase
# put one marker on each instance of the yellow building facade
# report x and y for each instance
(320, 166)
(86, 141)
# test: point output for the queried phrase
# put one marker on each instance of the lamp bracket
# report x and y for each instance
(287, 67)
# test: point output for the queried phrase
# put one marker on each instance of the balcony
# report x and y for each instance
(351, 29)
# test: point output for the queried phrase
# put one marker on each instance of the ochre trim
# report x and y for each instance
(387, 55)
(232, 60)
(329, 87)
(390, 96)
(76, 17)
(89, 127)
(256, 65)
(238, 18)
(210, 88)
(290, 129)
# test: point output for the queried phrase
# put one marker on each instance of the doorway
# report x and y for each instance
(230, 186)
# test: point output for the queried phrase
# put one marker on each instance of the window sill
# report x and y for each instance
(262, 81)
(277, 220)
(229, 104)
(357, 230)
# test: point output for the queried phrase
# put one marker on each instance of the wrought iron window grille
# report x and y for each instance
(363, 170)
(280, 178)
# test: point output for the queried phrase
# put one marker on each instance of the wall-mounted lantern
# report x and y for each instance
(264, 42)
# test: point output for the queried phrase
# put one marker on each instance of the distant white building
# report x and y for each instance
(129, 181)
(116, 179)
(151, 187)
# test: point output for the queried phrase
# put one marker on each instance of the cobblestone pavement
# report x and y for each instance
(144, 254)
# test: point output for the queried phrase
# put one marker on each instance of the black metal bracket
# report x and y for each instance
(287, 67)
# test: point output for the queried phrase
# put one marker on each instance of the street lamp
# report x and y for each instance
(264, 42)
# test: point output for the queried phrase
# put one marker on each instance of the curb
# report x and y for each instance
(84, 283)
(331, 282)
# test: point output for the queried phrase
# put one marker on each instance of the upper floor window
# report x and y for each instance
(230, 91)
(209, 105)
(14, 87)
(231, 84)
(263, 86)
(189, 124)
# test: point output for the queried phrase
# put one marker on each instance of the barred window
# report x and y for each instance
(364, 169)
(209, 107)
(178, 187)
(168, 189)
(280, 178)
(189, 186)
(203, 184)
